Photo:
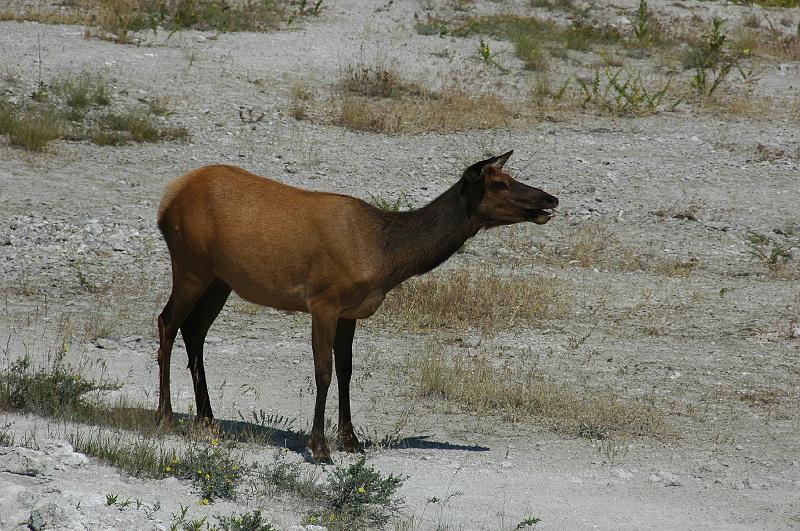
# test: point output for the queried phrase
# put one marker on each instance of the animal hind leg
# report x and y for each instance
(194, 330)
(343, 354)
(323, 333)
(185, 293)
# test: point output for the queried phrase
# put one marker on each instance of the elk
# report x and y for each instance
(331, 255)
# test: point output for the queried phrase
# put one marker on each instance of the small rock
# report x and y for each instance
(48, 516)
(106, 344)
(796, 331)
(717, 225)
(655, 478)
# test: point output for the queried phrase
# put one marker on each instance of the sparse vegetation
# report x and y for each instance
(622, 94)
(522, 392)
(249, 521)
(767, 250)
(30, 129)
(284, 477)
(402, 202)
(48, 391)
(477, 298)
(118, 20)
(74, 108)
(357, 497)
(211, 467)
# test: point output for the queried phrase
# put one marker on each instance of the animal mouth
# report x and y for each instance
(540, 216)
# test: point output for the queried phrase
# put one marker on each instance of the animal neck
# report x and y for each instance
(417, 241)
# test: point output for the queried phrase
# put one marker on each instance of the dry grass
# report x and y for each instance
(375, 97)
(117, 20)
(476, 298)
(33, 130)
(454, 109)
(524, 393)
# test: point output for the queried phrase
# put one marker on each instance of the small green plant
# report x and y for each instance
(767, 250)
(284, 476)
(628, 96)
(111, 499)
(358, 496)
(211, 468)
(140, 127)
(488, 58)
(83, 91)
(249, 521)
(528, 523)
(32, 129)
(55, 390)
(402, 202)
(708, 52)
(431, 25)
(641, 27)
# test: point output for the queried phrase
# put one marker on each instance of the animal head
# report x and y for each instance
(495, 198)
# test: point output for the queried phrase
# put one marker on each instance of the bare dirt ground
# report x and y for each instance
(714, 348)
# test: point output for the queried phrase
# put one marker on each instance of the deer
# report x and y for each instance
(331, 255)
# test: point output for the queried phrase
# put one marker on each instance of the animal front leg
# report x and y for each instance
(343, 350)
(323, 332)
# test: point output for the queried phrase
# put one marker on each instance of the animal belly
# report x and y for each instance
(366, 308)
(267, 289)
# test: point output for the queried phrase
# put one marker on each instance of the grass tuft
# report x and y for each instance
(524, 393)
(478, 298)
(55, 390)
(357, 497)
(30, 129)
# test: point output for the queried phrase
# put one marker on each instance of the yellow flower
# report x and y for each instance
(168, 468)
(332, 517)
(361, 490)
(208, 476)
(204, 501)
(234, 467)
(199, 472)
(214, 442)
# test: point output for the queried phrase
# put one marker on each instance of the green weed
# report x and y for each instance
(622, 94)
(212, 469)
(358, 496)
(32, 129)
(249, 521)
(48, 391)
(402, 202)
(431, 25)
(285, 477)
(767, 250)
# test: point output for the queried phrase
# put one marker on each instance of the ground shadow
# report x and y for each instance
(293, 440)
(422, 442)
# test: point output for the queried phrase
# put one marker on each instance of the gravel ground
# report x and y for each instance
(715, 350)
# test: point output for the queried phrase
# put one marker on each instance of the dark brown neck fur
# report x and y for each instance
(417, 241)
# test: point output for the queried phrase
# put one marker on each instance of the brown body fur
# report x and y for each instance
(331, 255)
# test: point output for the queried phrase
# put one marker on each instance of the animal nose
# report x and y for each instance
(552, 200)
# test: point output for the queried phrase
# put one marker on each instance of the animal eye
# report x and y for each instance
(499, 185)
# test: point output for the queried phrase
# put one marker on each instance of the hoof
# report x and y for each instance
(350, 443)
(320, 451)
(166, 418)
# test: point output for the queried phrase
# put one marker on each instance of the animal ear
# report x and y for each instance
(478, 170)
